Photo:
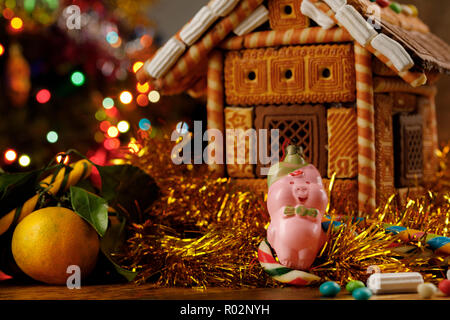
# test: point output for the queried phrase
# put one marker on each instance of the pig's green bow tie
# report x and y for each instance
(301, 211)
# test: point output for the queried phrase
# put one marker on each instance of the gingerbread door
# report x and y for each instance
(304, 125)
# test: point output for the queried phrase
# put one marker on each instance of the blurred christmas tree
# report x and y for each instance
(67, 79)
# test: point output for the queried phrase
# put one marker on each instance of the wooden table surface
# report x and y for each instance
(149, 292)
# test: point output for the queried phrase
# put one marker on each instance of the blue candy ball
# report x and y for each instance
(329, 289)
(362, 294)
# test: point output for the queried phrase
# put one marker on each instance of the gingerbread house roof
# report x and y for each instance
(390, 31)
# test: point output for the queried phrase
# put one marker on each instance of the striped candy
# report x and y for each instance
(388, 84)
(215, 101)
(366, 130)
(440, 244)
(437, 243)
(281, 273)
(275, 38)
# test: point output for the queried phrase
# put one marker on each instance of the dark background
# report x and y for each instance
(171, 15)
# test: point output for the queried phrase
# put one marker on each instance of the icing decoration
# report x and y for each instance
(311, 11)
(201, 22)
(165, 58)
(355, 24)
(253, 21)
(394, 51)
(335, 5)
(222, 8)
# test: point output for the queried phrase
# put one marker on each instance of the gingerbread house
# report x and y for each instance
(351, 81)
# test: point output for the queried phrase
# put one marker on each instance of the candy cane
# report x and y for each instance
(281, 273)
(215, 102)
(275, 38)
(366, 131)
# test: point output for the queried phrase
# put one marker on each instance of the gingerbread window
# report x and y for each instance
(408, 149)
(303, 125)
(286, 14)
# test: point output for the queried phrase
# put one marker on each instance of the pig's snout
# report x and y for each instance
(301, 192)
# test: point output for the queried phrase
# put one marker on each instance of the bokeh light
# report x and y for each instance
(2, 50)
(100, 115)
(112, 37)
(10, 155)
(108, 103)
(43, 96)
(146, 40)
(137, 65)
(62, 158)
(77, 78)
(123, 126)
(52, 137)
(8, 14)
(104, 126)
(145, 124)
(99, 137)
(143, 88)
(182, 127)
(24, 160)
(126, 97)
(113, 132)
(111, 144)
(154, 96)
(142, 100)
(16, 23)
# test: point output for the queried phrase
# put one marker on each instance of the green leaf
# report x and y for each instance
(129, 188)
(91, 208)
(112, 242)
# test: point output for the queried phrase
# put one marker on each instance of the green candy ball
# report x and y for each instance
(329, 289)
(362, 294)
(354, 284)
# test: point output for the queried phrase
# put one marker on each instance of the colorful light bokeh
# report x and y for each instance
(111, 144)
(142, 100)
(154, 96)
(145, 124)
(143, 88)
(24, 160)
(77, 78)
(62, 158)
(52, 137)
(137, 65)
(10, 155)
(126, 97)
(182, 127)
(43, 96)
(123, 126)
(16, 23)
(113, 132)
(108, 103)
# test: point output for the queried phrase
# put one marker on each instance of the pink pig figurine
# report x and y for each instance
(296, 204)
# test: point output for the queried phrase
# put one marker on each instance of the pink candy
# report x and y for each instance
(296, 204)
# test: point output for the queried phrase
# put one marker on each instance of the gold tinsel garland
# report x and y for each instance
(205, 231)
